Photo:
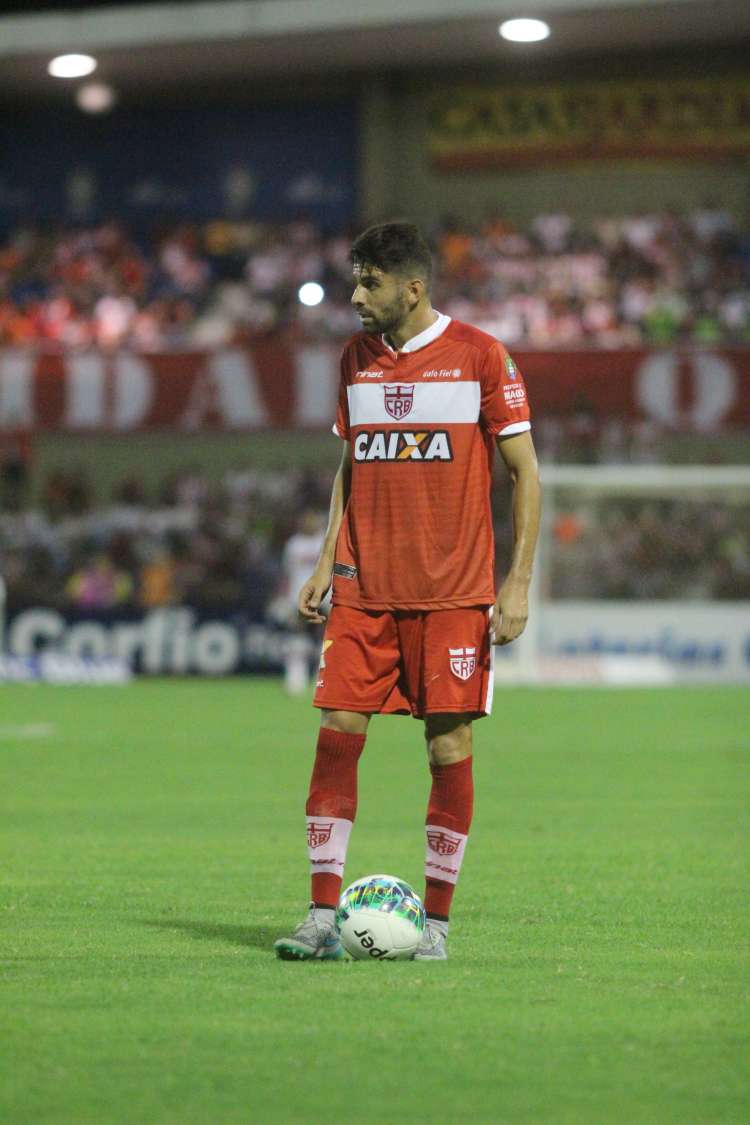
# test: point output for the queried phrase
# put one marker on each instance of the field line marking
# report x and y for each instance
(27, 731)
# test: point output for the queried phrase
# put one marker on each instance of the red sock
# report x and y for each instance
(448, 820)
(331, 808)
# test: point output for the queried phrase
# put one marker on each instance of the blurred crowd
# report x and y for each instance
(196, 542)
(619, 281)
(630, 549)
(219, 545)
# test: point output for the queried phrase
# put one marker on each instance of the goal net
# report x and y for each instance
(642, 576)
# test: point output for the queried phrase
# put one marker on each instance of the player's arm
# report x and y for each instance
(314, 590)
(511, 608)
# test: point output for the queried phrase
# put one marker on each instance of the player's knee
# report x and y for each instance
(448, 738)
(346, 722)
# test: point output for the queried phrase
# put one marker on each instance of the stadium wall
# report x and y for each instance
(107, 459)
(351, 146)
(398, 176)
(269, 160)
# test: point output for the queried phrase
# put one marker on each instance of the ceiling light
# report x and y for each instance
(311, 293)
(95, 97)
(524, 30)
(71, 66)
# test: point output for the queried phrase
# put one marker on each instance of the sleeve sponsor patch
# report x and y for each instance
(515, 395)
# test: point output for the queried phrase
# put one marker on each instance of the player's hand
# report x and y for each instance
(510, 612)
(312, 594)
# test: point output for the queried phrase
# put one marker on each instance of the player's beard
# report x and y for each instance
(390, 318)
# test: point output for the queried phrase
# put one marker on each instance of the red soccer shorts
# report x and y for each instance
(406, 662)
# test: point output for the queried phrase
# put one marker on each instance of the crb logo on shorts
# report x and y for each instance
(403, 445)
(463, 661)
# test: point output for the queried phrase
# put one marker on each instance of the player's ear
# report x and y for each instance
(416, 290)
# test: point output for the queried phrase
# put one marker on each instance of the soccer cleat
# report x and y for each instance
(313, 939)
(432, 945)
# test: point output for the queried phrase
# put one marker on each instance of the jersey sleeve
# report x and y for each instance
(504, 406)
(341, 425)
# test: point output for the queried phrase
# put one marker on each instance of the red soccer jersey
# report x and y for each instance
(417, 531)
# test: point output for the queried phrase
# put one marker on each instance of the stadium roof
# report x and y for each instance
(155, 48)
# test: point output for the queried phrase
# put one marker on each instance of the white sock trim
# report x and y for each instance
(327, 842)
(444, 854)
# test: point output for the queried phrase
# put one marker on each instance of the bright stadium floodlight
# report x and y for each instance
(311, 293)
(524, 30)
(95, 97)
(71, 66)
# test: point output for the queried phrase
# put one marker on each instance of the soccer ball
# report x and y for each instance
(380, 918)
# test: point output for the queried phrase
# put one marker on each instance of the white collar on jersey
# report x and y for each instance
(423, 338)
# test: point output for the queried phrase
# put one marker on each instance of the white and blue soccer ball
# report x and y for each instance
(380, 918)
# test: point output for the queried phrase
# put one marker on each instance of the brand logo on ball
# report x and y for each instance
(442, 843)
(318, 834)
(367, 943)
(399, 400)
(463, 662)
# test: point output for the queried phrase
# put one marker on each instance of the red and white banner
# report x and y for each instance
(277, 385)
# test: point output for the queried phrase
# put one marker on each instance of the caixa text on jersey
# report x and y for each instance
(403, 445)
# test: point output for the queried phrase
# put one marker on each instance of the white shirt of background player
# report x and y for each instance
(299, 560)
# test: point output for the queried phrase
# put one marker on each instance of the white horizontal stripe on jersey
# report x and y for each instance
(431, 402)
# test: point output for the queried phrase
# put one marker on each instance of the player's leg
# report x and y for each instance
(449, 812)
(332, 801)
(330, 810)
(455, 687)
(358, 670)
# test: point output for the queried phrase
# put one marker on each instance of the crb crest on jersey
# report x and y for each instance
(399, 399)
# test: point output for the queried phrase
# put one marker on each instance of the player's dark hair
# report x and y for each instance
(397, 247)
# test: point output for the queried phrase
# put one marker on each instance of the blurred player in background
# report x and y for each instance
(16, 450)
(424, 400)
(299, 559)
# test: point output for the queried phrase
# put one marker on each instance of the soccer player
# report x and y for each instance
(424, 400)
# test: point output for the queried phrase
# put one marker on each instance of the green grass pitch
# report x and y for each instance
(153, 850)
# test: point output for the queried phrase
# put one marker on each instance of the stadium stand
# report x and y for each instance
(622, 281)
(650, 279)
